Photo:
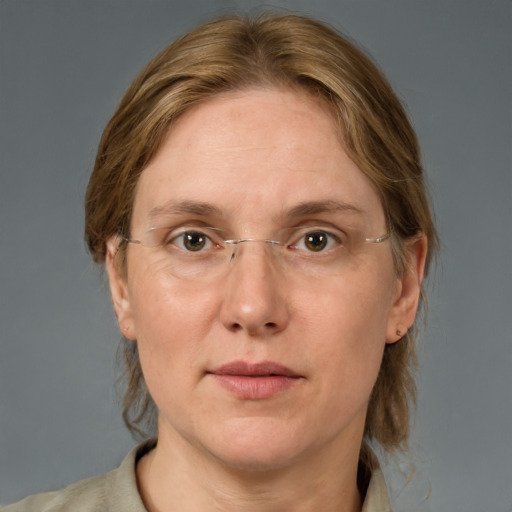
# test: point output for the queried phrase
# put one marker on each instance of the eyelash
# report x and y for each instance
(332, 240)
(181, 236)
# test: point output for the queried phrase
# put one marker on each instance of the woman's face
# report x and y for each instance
(273, 357)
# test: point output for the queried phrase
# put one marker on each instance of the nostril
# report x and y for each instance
(271, 324)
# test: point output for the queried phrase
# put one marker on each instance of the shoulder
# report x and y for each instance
(377, 498)
(115, 490)
(372, 484)
(86, 495)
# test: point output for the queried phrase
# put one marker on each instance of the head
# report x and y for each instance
(281, 53)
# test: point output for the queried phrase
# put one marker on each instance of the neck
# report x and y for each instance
(176, 476)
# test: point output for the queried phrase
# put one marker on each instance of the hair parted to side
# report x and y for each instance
(284, 51)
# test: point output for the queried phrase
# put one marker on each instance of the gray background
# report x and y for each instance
(64, 65)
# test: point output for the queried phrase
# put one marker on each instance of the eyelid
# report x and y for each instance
(298, 240)
(286, 236)
(184, 226)
(172, 233)
(330, 229)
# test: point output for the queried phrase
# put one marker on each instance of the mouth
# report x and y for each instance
(255, 381)
(263, 369)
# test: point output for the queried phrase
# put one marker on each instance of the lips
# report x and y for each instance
(263, 369)
(256, 381)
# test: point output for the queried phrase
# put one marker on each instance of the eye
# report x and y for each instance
(193, 241)
(316, 241)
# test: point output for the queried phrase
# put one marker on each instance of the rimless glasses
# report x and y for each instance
(202, 252)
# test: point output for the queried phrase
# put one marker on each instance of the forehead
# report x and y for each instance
(255, 153)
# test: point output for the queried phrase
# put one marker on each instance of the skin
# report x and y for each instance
(254, 156)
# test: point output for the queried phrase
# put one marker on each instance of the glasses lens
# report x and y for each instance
(203, 252)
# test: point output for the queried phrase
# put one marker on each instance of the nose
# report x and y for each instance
(254, 295)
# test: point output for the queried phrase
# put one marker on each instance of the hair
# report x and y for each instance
(283, 51)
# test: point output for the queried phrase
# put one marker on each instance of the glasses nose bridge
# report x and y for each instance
(235, 244)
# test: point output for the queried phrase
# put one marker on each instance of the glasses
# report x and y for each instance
(191, 252)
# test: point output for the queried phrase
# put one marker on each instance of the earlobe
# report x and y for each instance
(408, 290)
(119, 289)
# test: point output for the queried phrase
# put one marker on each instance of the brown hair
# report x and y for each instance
(237, 53)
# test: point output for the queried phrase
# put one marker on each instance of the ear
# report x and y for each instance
(408, 289)
(119, 289)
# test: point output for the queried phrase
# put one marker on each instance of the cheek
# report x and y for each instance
(165, 307)
(170, 322)
(355, 307)
(348, 323)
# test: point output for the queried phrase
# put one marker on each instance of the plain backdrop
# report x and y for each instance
(63, 67)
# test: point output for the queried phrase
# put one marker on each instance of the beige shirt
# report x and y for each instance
(117, 491)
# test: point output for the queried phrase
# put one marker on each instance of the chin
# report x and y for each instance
(256, 446)
(262, 461)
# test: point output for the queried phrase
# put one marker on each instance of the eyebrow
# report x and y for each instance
(205, 209)
(185, 207)
(317, 207)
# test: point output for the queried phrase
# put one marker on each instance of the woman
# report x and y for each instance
(259, 204)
